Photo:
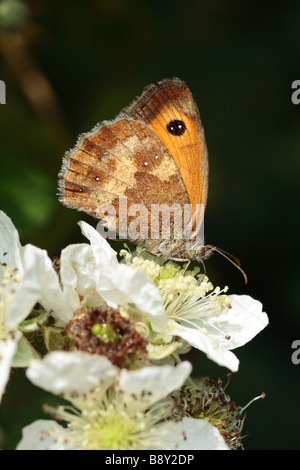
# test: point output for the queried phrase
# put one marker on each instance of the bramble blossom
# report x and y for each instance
(112, 409)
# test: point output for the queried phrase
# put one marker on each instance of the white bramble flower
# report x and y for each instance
(113, 409)
(175, 306)
(91, 274)
(24, 274)
(206, 318)
(134, 312)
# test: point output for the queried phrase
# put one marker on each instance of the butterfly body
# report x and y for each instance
(152, 155)
(176, 249)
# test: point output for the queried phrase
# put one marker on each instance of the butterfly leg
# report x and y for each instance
(182, 260)
(147, 251)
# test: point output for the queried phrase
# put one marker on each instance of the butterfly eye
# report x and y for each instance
(176, 127)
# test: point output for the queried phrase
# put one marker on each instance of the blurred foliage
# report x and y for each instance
(68, 65)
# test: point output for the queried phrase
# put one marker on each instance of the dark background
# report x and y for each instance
(68, 65)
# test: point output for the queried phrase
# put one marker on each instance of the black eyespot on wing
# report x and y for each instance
(176, 127)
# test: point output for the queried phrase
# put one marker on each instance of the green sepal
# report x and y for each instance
(25, 353)
(33, 323)
(161, 351)
(57, 339)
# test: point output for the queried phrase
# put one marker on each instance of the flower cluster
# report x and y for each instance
(113, 334)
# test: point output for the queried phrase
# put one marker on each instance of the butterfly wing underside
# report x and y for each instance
(136, 157)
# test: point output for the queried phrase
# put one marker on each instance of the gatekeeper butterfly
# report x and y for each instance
(153, 154)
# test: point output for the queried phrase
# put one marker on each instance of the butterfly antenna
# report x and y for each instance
(231, 258)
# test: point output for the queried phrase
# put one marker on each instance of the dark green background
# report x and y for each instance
(239, 60)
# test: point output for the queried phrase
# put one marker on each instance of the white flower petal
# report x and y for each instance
(206, 343)
(66, 372)
(191, 434)
(154, 382)
(43, 435)
(102, 251)
(242, 322)
(7, 351)
(52, 297)
(91, 273)
(125, 284)
(9, 243)
(34, 270)
(79, 275)
(119, 284)
(35, 280)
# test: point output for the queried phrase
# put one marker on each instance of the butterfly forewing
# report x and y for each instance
(170, 110)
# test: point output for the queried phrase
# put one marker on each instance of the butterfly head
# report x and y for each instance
(203, 253)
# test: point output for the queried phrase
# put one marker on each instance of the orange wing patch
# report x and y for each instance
(170, 110)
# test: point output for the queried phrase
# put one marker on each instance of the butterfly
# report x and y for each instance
(154, 156)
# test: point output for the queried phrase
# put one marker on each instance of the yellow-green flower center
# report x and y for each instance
(115, 422)
(105, 429)
(189, 299)
(105, 332)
